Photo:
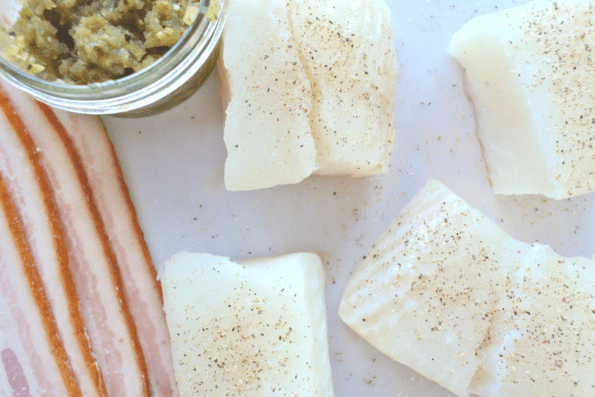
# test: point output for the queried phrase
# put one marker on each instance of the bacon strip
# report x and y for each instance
(104, 307)
(32, 353)
(30, 190)
(142, 290)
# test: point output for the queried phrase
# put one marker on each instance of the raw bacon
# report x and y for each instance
(31, 351)
(29, 189)
(142, 290)
(109, 323)
(78, 219)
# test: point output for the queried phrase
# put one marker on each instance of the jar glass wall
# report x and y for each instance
(154, 89)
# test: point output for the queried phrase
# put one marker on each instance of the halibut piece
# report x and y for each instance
(449, 294)
(347, 49)
(267, 132)
(543, 338)
(256, 328)
(309, 88)
(530, 73)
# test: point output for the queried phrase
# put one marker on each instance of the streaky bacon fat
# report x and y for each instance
(110, 326)
(142, 290)
(31, 351)
(29, 189)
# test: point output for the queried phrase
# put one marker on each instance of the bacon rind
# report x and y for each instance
(26, 312)
(142, 290)
(109, 323)
(31, 193)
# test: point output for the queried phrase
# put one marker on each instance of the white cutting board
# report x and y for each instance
(173, 165)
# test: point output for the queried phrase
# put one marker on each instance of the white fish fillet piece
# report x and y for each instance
(530, 73)
(446, 292)
(252, 329)
(110, 326)
(542, 342)
(143, 292)
(309, 86)
(267, 131)
(348, 51)
(32, 354)
(414, 296)
(31, 193)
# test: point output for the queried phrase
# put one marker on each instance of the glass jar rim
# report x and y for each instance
(139, 89)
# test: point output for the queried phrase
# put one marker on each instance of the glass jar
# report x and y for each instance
(159, 87)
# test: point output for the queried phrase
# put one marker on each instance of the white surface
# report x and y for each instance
(173, 165)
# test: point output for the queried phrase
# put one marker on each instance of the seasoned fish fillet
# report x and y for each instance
(252, 329)
(309, 87)
(543, 338)
(267, 131)
(530, 73)
(347, 50)
(446, 292)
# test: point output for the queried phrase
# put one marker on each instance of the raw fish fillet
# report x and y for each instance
(309, 87)
(267, 130)
(543, 338)
(446, 292)
(348, 53)
(247, 329)
(530, 73)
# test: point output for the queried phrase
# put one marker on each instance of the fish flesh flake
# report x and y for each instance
(530, 74)
(448, 293)
(267, 132)
(255, 328)
(309, 87)
(348, 53)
